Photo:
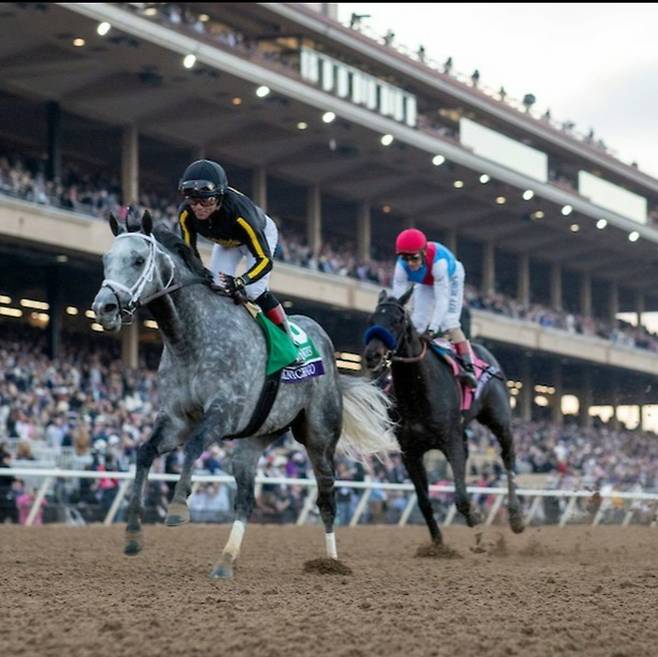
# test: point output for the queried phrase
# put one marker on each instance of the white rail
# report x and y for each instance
(50, 475)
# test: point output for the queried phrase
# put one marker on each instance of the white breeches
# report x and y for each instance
(226, 261)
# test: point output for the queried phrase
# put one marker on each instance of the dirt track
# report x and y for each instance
(548, 592)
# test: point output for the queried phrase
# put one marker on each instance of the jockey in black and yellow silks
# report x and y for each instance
(238, 228)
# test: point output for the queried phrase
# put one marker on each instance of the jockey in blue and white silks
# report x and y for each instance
(439, 293)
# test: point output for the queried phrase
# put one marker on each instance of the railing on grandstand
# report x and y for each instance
(597, 505)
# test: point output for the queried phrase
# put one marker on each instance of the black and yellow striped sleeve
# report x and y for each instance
(188, 233)
(257, 245)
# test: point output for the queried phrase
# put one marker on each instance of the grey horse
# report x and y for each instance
(210, 378)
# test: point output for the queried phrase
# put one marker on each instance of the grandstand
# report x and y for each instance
(344, 141)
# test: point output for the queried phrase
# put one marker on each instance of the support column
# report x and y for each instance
(614, 422)
(55, 311)
(586, 399)
(451, 240)
(639, 306)
(314, 218)
(586, 294)
(259, 187)
(489, 268)
(523, 284)
(130, 165)
(556, 286)
(363, 232)
(130, 345)
(613, 302)
(526, 395)
(556, 407)
(54, 132)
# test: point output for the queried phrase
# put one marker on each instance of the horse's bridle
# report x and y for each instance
(127, 312)
(389, 339)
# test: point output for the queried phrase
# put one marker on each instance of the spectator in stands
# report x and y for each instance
(8, 508)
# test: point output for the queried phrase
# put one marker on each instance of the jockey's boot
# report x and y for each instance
(278, 316)
(466, 353)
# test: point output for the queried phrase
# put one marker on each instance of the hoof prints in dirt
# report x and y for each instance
(436, 551)
(327, 566)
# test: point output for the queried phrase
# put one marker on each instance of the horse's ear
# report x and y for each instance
(147, 223)
(114, 225)
(382, 296)
(406, 296)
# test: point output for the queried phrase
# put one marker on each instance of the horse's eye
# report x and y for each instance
(139, 261)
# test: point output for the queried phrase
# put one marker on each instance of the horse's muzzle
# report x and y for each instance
(107, 311)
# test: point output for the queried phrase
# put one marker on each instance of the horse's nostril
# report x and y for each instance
(109, 307)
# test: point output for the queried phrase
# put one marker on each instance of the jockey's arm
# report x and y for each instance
(187, 230)
(441, 294)
(400, 281)
(257, 244)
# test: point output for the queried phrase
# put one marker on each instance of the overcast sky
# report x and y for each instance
(595, 64)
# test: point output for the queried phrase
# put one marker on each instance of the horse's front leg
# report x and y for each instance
(162, 440)
(209, 429)
(244, 463)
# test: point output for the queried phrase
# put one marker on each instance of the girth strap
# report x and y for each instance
(263, 407)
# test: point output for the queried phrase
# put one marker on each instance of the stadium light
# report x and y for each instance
(11, 312)
(484, 178)
(71, 310)
(458, 184)
(501, 200)
(302, 125)
(574, 228)
(103, 28)
(528, 194)
(328, 117)
(204, 18)
(236, 101)
(386, 209)
(96, 327)
(263, 91)
(189, 60)
(601, 224)
(438, 160)
(537, 214)
(5, 299)
(634, 236)
(79, 42)
(387, 140)
(566, 210)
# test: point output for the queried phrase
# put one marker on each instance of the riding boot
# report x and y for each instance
(278, 316)
(466, 353)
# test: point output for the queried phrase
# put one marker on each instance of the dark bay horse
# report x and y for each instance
(428, 408)
(210, 379)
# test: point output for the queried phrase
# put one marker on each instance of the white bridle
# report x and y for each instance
(135, 291)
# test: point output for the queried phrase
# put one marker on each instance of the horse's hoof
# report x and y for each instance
(133, 543)
(177, 514)
(132, 548)
(473, 518)
(516, 521)
(222, 571)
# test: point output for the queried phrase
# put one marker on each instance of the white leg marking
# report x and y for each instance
(235, 539)
(330, 542)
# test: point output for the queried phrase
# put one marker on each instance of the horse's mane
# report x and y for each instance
(176, 245)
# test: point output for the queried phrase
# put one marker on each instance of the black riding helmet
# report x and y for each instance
(203, 179)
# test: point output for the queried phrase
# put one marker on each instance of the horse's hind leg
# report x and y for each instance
(413, 462)
(162, 440)
(319, 432)
(497, 418)
(244, 462)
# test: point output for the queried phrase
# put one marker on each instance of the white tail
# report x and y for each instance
(367, 427)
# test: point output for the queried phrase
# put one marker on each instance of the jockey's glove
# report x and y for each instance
(231, 284)
(429, 335)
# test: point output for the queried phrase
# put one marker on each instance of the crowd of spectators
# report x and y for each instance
(84, 410)
(97, 195)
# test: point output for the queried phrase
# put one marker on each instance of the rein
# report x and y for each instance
(391, 342)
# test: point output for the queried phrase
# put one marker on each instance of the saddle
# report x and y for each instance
(484, 371)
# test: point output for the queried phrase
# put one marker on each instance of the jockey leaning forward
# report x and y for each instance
(238, 227)
(439, 297)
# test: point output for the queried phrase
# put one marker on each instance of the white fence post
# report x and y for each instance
(568, 511)
(495, 507)
(116, 503)
(36, 505)
(404, 518)
(309, 503)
